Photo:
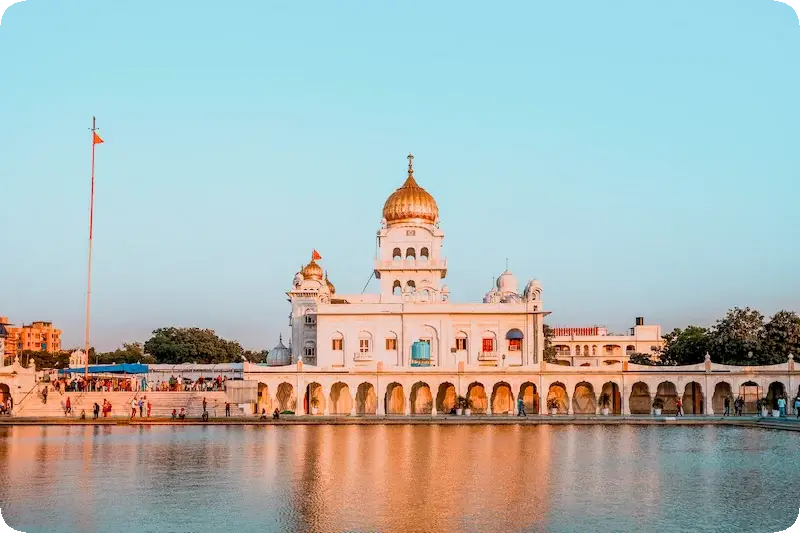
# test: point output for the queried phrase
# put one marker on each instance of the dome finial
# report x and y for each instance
(506, 264)
(410, 164)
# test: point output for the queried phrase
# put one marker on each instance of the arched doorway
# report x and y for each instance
(668, 393)
(639, 400)
(774, 391)
(341, 399)
(530, 398)
(750, 392)
(612, 389)
(314, 399)
(395, 400)
(287, 401)
(558, 393)
(446, 398)
(476, 394)
(693, 399)
(722, 390)
(583, 399)
(366, 399)
(264, 402)
(502, 399)
(421, 399)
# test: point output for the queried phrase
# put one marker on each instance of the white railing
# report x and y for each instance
(412, 263)
(487, 356)
(363, 356)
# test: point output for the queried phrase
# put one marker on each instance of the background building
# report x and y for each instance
(594, 346)
(38, 336)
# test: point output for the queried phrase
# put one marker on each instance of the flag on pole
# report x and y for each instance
(315, 256)
(97, 139)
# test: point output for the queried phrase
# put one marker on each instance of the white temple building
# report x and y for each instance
(411, 322)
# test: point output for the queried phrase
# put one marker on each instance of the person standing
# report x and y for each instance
(521, 408)
(204, 404)
(68, 407)
(782, 406)
(141, 407)
(680, 407)
(96, 410)
(133, 407)
(227, 408)
(727, 406)
(149, 406)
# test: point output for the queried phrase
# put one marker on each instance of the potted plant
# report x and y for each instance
(314, 405)
(467, 407)
(658, 405)
(460, 403)
(605, 403)
(552, 404)
(762, 406)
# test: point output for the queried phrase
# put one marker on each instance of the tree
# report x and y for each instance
(641, 359)
(549, 349)
(256, 357)
(131, 352)
(781, 337)
(44, 359)
(189, 345)
(684, 346)
(737, 338)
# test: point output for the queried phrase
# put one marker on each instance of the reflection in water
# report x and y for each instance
(397, 478)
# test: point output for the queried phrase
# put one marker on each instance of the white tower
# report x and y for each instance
(309, 288)
(409, 262)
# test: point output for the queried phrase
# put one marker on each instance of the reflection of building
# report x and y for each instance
(38, 336)
(593, 346)
(413, 305)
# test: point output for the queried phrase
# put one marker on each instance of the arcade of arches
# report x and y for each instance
(574, 395)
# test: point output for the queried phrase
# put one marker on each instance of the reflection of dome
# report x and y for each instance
(507, 282)
(410, 202)
(312, 271)
(329, 284)
(279, 355)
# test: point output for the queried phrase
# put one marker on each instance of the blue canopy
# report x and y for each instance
(135, 368)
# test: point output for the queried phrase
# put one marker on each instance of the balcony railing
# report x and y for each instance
(487, 356)
(363, 356)
(411, 263)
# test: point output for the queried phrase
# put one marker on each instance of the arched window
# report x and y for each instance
(412, 287)
(397, 288)
(310, 349)
(364, 342)
(461, 341)
(594, 350)
(424, 255)
(411, 253)
(397, 253)
(586, 350)
(337, 342)
(425, 295)
(630, 349)
(514, 337)
(310, 317)
(488, 341)
(391, 341)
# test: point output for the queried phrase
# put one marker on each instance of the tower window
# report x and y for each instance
(412, 287)
(337, 345)
(363, 345)
(424, 254)
(397, 253)
(411, 253)
(391, 344)
(397, 288)
(461, 344)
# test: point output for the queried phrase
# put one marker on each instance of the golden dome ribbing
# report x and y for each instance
(312, 271)
(410, 202)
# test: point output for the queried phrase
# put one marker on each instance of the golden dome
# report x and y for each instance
(410, 202)
(312, 271)
(329, 284)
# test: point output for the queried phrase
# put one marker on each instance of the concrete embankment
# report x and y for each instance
(766, 423)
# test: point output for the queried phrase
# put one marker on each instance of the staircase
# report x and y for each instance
(162, 404)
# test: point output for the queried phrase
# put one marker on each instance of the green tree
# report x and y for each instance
(684, 346)
(130, 352)
(44, 359)
(256, 357)
(641, 359)
(736, 339)
(549, 349)
(189, 345)
(781, 337)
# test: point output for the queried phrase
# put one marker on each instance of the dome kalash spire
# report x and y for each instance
(312, 270)
(410, 203)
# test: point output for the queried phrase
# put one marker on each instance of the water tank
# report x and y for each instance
(420, 354)
(640, 321)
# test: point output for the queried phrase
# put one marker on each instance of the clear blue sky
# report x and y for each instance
(638, 158)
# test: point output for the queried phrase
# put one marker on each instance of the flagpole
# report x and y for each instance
(89, 273)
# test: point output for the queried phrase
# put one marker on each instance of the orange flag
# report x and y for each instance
(97, 139)
(315, 256)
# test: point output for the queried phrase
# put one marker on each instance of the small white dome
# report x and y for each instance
(280, 355)
(507, 282)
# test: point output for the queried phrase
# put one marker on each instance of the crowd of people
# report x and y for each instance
(136, 384)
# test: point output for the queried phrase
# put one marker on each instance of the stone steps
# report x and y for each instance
(162, 404)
